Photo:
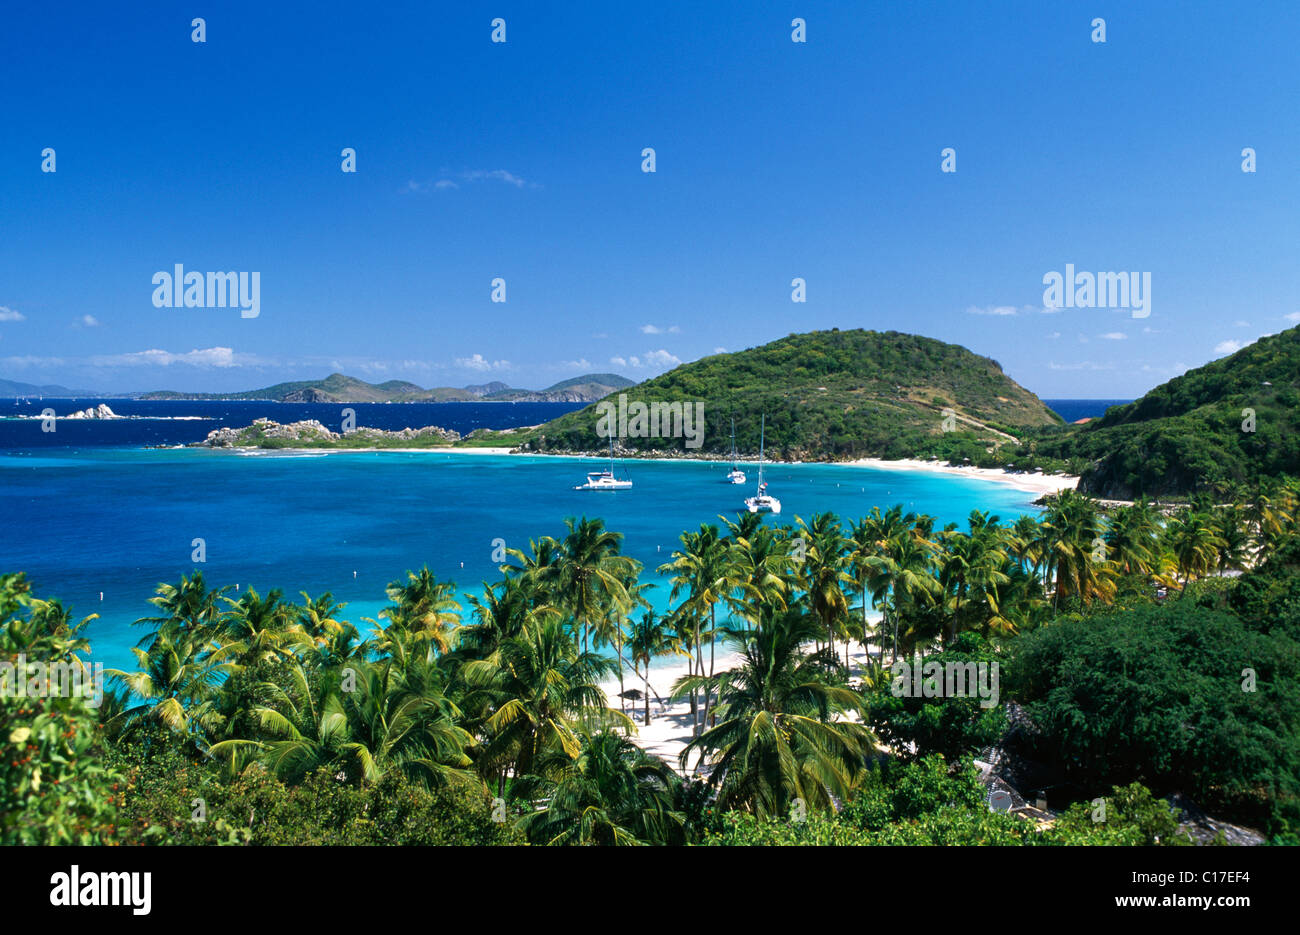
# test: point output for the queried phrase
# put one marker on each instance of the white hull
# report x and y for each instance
(604, 483)
(736, 477)
(763, 504)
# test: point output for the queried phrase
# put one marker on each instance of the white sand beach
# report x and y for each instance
(1034, 482)
(669, 730)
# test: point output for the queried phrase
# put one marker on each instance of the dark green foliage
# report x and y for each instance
(953, 727)
(926, 803)
(165, 790)
(1155, 695)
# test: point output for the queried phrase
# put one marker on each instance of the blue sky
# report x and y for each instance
(522, 160)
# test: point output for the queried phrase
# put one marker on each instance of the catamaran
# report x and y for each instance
(605, 480)
(736, 476)
(762, 501)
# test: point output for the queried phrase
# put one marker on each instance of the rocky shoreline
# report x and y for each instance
(266, 433)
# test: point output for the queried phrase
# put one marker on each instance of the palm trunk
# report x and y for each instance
(646, 681)
(708, 690)
(618, 648)
(699, 666)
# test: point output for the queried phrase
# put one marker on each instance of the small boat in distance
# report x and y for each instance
(736, 476)
(762, 502)
(605, 480)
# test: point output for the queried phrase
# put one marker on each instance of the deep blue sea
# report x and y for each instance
(106, 516)
(1071, 410)
(179, 422)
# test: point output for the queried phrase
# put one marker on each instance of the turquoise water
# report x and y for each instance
(118, 521)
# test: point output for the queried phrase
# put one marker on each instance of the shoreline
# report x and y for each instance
(1030, 482)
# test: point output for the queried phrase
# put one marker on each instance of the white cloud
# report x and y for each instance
(660, 360)
(1230, 347)
(474, 175)
(1005, 311)
(719, 350)
(581, 364)
(9, 314)
(481, 363)
(1054, 335)
(1113, 336)
(497, 175)
(1242, 324)
(88, 321)
(1294, 316)
(154, 357)
(655, 329)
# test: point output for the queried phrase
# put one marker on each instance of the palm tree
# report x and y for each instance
(973, 563)
(190, 606)
(824, 572)
(395, 717)
(590, 576)
(777, 739)
(903, 572)
(256, 629)
(1132, 538)
(764, 570)
(866, 547)
(505, 610)
(611, 793)
(704, 567)
(649, 638)
(334, 641)
(1194, 544)
(1234, 538)
(424, 609)
(533, 693)
(176, 682)
(1071, 527)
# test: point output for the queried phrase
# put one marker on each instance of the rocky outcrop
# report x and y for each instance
(265, 433)
(98, 412)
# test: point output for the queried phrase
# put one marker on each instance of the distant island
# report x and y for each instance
(340, 388)
(842, 395)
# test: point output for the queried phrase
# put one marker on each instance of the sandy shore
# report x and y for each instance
(1036, 482)
(670, 727)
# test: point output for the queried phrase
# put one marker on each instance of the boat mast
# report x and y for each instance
(762, 437)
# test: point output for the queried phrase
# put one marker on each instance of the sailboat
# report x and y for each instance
(605, 480)
(762, 501)
(736, 476)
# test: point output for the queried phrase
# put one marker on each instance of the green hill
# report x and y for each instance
(1187, 435)
(832, 395)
